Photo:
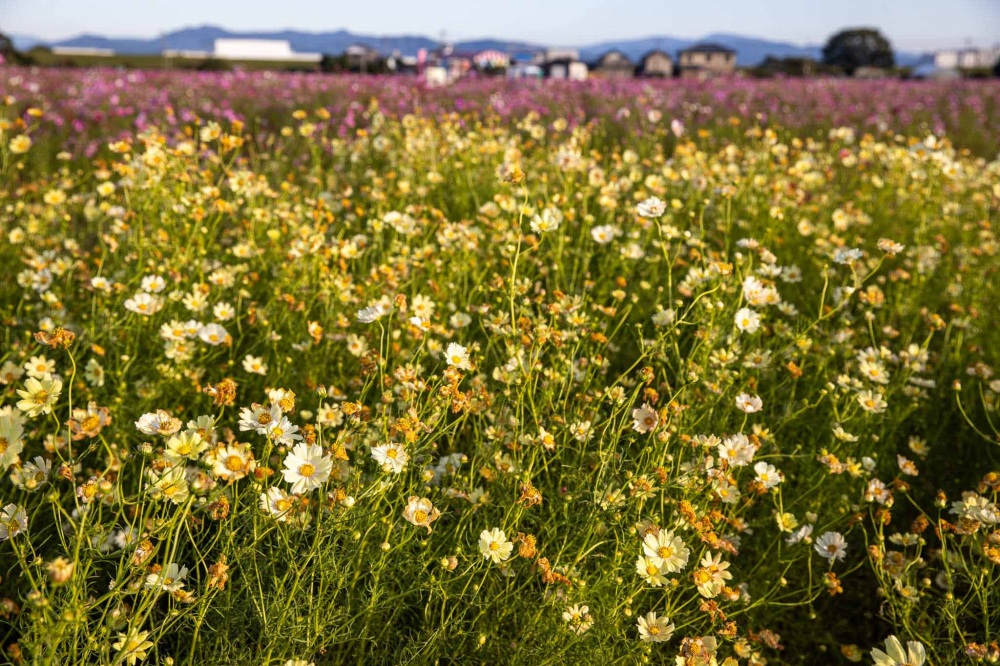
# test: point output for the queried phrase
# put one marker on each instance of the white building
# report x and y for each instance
(268, 50)
(967, 58)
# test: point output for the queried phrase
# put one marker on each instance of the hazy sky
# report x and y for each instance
(909, 24)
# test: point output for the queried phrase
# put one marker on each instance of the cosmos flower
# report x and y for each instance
(832, 546)
(747, 321)
(578, 618)
(39, 396)
(494, 546)
(307, 467)
(254, 365)
(420, 512)
(651, 208)
(894, 655)
(132, 646)
(144, 304)
(458, 356)
(667, 549)
(157, 423)
(373, 313)
(644, 418)
(13, 521)
(391, 457)
(277, 503)
(749, 403)
(767, 475)
(214, 334)
(169, 579)
(654, 628)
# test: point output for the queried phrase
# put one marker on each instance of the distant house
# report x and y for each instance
(655, 63)
(564, 64)
(952, 59)
(566, 70)
(362, 58)
(525, 65)
(613, 65)
(707, 59)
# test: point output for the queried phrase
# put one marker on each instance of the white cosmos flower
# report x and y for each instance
(283, 431)
(144, 304)
(276, 502)
(213, 334)
(654, 629)
(391, 457)
(458, 356)
(749, 403)
(846, 255)
(154, 284)
(767, 474)
(13, 521)
(747, 320)
(306, 468)
(254, 364)
(604, 234)
(667, 550)
(651, 207)
(373, 312)
(832, 546)
(494, 546)
(644, 418)
(736, 450)
(894, 655)
(169, 579)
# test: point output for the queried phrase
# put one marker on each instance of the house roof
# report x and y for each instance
(653, 52)
(600, 59)
(708, 47)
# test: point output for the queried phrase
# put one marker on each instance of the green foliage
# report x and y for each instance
(273, 397)
(858, 47)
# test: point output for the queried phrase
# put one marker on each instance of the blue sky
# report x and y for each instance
(909, 24)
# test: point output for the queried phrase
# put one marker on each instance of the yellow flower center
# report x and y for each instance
(392, 453)
(654, 630)
(420, 515)
(494, 546)
(665, 552)
(652, 570)
(234, 463)
(306, 470)
(264, 418)
(283, 504)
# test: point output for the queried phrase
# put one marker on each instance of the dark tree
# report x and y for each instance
(6, 46)
(858, 47)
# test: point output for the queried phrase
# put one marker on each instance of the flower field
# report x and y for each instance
(317, 370)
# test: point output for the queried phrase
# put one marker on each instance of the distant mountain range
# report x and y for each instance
(749, 50)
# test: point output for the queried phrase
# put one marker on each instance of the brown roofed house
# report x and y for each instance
(613, 65)
(655, 63)
(707, 59)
